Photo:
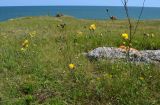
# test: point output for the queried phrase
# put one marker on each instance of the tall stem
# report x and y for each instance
(124, 2)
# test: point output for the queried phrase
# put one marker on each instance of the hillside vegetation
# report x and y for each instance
(35, 54)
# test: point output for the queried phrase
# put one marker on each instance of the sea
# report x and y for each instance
(82, 12)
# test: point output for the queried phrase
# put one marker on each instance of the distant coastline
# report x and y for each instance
(73, 6)
(84, 12)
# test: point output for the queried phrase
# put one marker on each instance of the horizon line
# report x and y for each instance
(73, 5)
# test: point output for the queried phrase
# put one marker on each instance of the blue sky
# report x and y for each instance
(149, 3)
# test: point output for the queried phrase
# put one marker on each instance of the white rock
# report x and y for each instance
(118, 53)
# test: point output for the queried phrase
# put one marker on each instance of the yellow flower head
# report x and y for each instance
(25, 43)
(23, 49)
(124, 36)
(141, 78)
(71, 66)
(92, 27)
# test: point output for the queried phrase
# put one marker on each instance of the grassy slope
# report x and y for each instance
(41, 74)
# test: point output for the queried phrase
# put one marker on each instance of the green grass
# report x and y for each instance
(40, 75)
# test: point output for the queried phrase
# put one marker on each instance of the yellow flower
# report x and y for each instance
(23, 49)
(141, 78)
(92, 27)
(71, 66)
(125, 36)
(25, 43)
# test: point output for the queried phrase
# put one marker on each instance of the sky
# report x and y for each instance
(149, 3)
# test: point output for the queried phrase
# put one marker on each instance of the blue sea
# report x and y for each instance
(84, 12)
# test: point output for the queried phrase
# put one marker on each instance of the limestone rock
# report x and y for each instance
(119, 53)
